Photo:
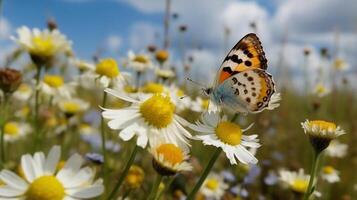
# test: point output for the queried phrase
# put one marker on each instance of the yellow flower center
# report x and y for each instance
(71, 107)
(299, 185)
(129, 89)
(171, 153)
(180, 93)
(205, 103)
(54, 81)
(107, 67)
(153, 88)
(229, 133)
(1, 183)
(24, 88)
(141, 59)
(162, 55)
(320, 89)
(324, 125)
(42, 46)
(212, 184)
(339, 63)
(45, 188)
(328, 170)
(11, 128)
(158, 111)
(135, 177)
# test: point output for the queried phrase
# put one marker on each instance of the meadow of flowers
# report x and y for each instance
(131, 127)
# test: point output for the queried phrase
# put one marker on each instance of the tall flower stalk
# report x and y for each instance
(208, 168)
(124, 173)
(315, 163)
(104, 151)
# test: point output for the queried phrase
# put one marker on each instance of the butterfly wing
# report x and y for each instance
(246, 54)
(247, 91)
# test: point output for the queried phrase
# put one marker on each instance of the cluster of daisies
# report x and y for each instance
(45, 108)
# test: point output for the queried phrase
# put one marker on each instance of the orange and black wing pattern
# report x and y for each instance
(247, 54)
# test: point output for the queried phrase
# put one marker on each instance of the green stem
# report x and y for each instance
(38, 139)
(155, 187)
(124, 173)
(4, 108)
(312, 175)
(167, 186)
(104, 150)
(204, 175)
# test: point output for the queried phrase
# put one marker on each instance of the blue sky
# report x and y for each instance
(86, 23)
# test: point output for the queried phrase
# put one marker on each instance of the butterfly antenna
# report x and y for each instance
(183, 97)
(196, 83)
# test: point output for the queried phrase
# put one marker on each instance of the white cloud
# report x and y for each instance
(5, 28)
(143, 34)
(307, 23)
(113, 42)
(305, 16)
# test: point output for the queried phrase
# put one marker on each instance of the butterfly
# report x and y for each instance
(242, 83)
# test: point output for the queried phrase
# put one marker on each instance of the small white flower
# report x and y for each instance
(322, 129)
(330, 174)
(336, 149)
(42, 43)
(139, 62)
(42, 181)
(219, 132)
(296, 181)
(105, 74)
(15, 130)
(54, 86)
(165, 73)
(321, 90)
(214, 187)
(169, 158)
(23, 93)
(149, 118)
(72, 106)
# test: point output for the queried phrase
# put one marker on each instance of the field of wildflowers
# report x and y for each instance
(139, 126)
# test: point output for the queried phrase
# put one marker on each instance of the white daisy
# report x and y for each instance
(322, 129)
(42, 43)
(336, 149)
(105, 74)
(139, 62)
(214, 187)
(340, 64)
(321, 90)
(54, 86)
(330, 174)
(23, 93)
(43, 182)
(149, 118)
(169, 158)
(221, 133)
(296, 181)
(82, 65)
(15, 130)
(165, 73)
(72, 106)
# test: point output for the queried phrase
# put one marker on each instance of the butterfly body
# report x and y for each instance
(242, 84)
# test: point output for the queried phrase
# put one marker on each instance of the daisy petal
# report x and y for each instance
(52, 160)
(87, 192)
(7, 191)
(11, 179)
(27, 167)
